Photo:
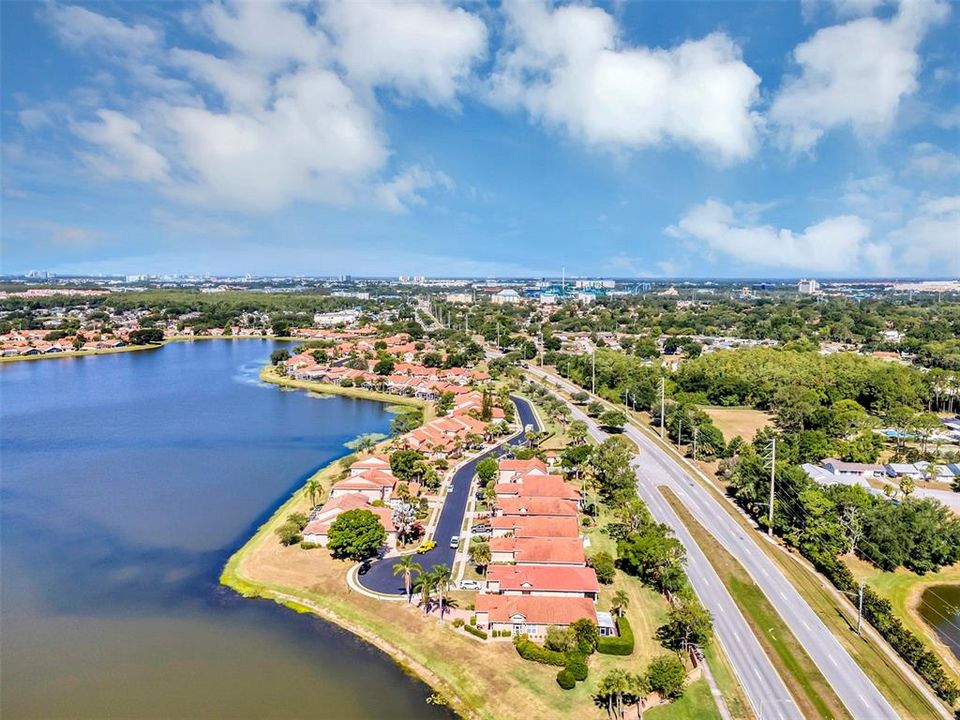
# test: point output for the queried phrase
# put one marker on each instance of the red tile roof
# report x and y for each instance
(536, 506)
(536, 610)
(564, 551)
(538, 526)
(544, 578)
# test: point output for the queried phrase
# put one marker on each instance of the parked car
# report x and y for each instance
(455, 541)
(426, 546)
(469, 584)
(479, 529)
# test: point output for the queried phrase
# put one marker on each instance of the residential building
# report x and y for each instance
(540, 580)
(530, 615)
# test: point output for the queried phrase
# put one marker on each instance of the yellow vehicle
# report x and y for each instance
(426, 546)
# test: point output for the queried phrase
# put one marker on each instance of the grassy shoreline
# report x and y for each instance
(269, 375)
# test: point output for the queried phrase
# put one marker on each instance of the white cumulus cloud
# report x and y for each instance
(421, 49)
(123, 151)
(569, 68)
(833, 245)
(853, 75)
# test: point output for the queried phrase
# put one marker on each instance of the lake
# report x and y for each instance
(940, 607)
(126, 481)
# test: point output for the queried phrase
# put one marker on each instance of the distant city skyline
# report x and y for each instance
(641, 140)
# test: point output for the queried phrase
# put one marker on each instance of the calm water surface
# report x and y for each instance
(940, 607)
(127, 480)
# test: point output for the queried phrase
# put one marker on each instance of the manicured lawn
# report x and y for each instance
(696, 703)
(806, 683)
(743, 421)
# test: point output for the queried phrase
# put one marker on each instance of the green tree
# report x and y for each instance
(689, 624)
(586, 634)
(603, 564)
(279, 356)
(612, 689)
(384, 366)
(613, 419)
(406, 464)
(289, 533)
(440, 575)
(655, 557)
(487, 469)
(666, 676)
(480, 553)
(445, 402)
(312, 490)
(577, 432)
(408, 567)
(356, 535)
(619, 603)
(611, 460)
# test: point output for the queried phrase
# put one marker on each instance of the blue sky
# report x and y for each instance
(649, 139)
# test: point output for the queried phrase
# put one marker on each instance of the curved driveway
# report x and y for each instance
(380, 578)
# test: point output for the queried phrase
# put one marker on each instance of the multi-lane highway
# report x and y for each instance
(655, 468)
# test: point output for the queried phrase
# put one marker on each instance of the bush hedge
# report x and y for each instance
(529, 650)
(622, 645)
(475, 632)
(566, 680)
(879, 613)
(578, 668)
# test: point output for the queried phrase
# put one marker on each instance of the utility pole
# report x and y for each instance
(679, 430)
(663, 407)
(593, 384)
(773, 475)
(860, 608)
(696, 432)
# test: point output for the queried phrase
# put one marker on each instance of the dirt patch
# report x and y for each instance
(743, 421)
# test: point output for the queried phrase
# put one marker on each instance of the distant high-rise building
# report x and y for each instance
(808, 287)
(595, 284)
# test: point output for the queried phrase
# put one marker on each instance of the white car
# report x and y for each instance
(469, 584)
(455, 541)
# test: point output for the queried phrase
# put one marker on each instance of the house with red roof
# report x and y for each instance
(539, 486)
(543, 580)
(538, 551)
(535, 506)
(538, 526)
(530, 614)
(316, 530)
(510, 469)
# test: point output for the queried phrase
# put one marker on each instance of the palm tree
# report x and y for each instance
(613, 686)
(441, 575)
(424, 585)
(312, 490)
(366, 443)
(619, 603)
(408, 566)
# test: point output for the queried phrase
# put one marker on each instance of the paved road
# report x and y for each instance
(380, 577)
(655, 468)
(762, 684)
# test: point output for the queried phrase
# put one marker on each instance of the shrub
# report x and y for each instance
(473, 619)
(288, 533)
(577, 668)
(304, 545)
(566, 680)
(586, 634)
(298, 519)
(458, 622)
(529, 650)
(622, 645)
(476, 632)
(602, 563)
(560, 639)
